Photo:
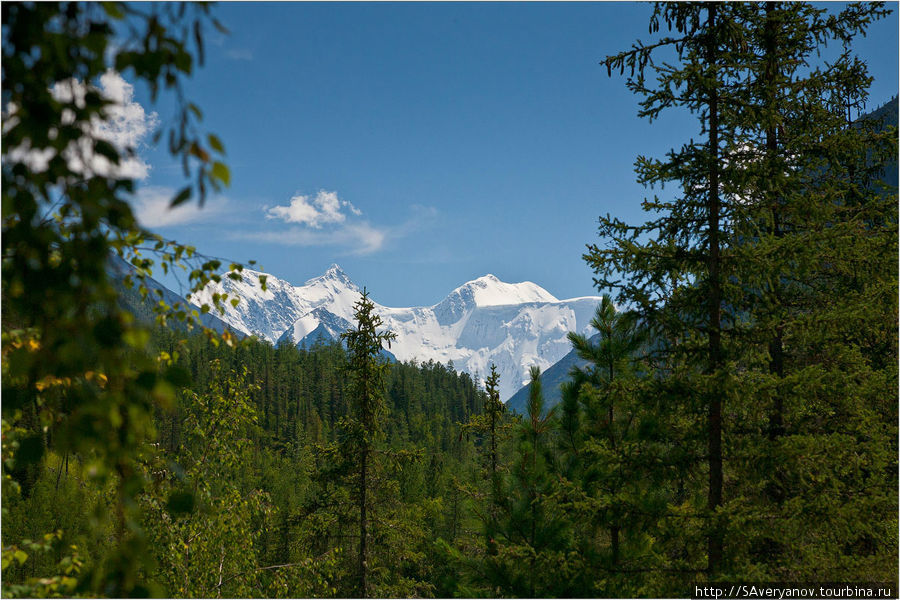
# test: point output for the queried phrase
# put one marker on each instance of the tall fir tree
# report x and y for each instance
(777, 208)
(814, 225)
(493, 427)
(601, 398)
(366, 368)
(689, 235)
(531, 558)
(493, 410)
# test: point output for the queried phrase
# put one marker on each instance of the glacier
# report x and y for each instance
(483, 321)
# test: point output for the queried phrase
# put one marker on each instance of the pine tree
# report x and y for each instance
(689, 232)
(493, 410)
(491, 430)
(604, 388)
(814, 225)
(737, 277)
(531, 557)
(366, 369)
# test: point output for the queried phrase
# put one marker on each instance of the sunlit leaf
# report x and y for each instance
(221, 172)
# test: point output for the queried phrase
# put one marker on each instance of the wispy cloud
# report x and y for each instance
(239, 54)
(356, 238)
(327, 220)
(420, 217)
(151, 207)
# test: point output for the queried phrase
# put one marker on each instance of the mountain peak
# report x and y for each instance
(489, 290)
(335, 274)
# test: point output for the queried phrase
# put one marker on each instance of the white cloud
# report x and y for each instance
(325, 208)
(125, 124)
(358, 238)
(151, 207)
(322, 220)
(326, 220)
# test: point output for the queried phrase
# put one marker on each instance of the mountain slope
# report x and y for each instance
(551, 380)
(118, 269)
(887, 116)
(484, 321)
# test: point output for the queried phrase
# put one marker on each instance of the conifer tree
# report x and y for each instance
(366, 369)
(530, 557)
(776, 209)
(688, 234)
(493, 410)
(491, 428)
(814, 225)
(603, 389)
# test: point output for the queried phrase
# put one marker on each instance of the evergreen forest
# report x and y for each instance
(733, 416)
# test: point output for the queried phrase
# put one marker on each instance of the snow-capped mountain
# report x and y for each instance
(484, 321)
(319, 322)
(269, 314)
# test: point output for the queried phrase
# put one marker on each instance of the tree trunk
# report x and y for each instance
(613, 528)
(363, 526)
(776, 347)
(714, 415)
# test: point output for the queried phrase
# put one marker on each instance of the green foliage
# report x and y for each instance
(760, 281)
(199, 515)
(363, 430)
(302, 460)
(62, 585)
(76, 377)
(491, 429)
(297, 465)
(366, 370)
(531, 545)
(610, 454)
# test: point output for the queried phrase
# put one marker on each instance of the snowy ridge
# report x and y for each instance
(269, 314)
(484, 321)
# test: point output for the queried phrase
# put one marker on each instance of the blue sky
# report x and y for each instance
(423, 145)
